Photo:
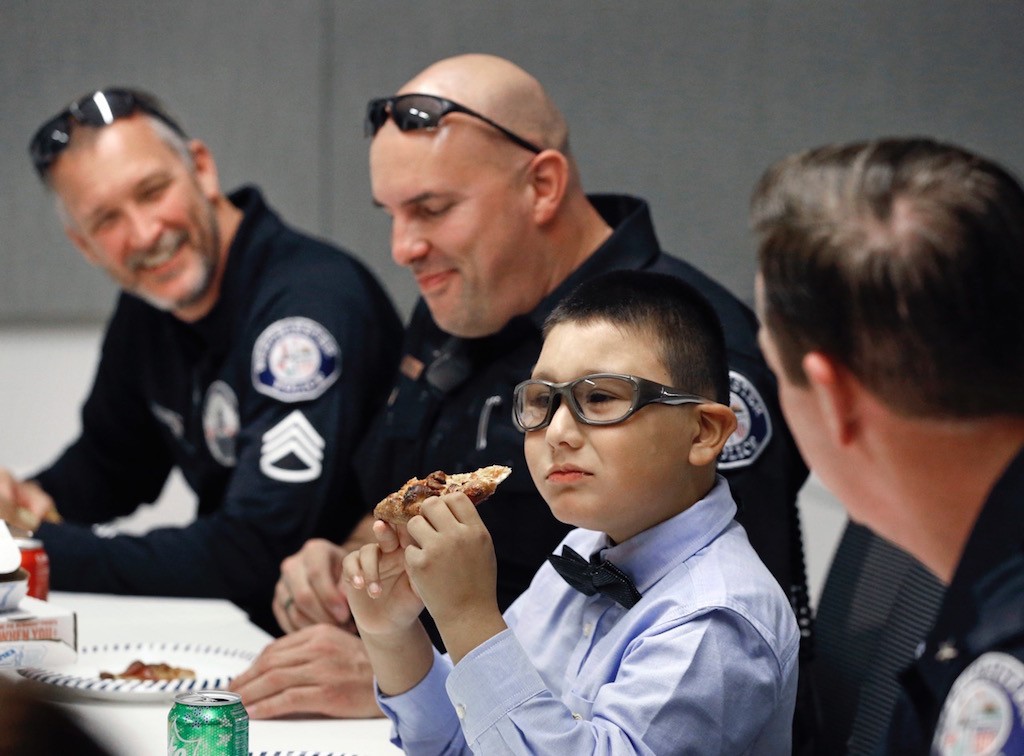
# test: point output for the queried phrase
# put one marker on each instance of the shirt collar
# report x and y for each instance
(642, 557)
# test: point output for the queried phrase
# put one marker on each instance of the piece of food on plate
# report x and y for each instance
(404, 504)
(139, 670)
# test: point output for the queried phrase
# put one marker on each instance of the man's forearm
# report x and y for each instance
(24, 503)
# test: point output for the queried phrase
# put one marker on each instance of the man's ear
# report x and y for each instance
(715, 423)
(205, 168)
(834, 388)
(548, 177)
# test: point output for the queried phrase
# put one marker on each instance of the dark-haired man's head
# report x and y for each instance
(902, 259)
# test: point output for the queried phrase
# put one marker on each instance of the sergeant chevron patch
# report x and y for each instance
(292, 451)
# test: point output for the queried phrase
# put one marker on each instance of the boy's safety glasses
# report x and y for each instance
(597, 399)
(424, 111)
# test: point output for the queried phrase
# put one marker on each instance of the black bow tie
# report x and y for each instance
(595, 577)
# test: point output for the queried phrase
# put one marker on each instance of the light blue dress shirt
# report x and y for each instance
(705, 663)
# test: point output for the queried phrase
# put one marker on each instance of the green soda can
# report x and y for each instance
(208, 723)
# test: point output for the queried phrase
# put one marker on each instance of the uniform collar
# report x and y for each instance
(998, 535)
(246, 255)
(957, 635)
(632, 244)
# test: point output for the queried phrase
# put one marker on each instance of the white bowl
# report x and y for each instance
(13, 588)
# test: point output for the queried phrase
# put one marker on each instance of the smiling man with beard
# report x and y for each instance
(246, 354)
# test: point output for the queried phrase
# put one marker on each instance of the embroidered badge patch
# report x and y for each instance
(295, 359)
(292, 451)
(983, 711)
(221, 423)
(754, 424)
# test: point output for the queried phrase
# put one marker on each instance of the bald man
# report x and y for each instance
(471, 161)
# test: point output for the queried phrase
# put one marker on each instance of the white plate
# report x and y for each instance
(214, 668)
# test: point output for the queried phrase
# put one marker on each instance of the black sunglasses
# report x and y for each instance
(424, 111)
(100, 108)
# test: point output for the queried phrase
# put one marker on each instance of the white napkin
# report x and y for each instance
(10, 554)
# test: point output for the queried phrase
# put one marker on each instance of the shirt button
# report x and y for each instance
(576, 716)
(588, 628)
(460, 711)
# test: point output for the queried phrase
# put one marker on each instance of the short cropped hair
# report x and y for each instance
(669, 312)
(903, 260)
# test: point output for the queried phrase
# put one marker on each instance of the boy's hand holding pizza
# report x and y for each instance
(452, 565)
(434, 551)
(377, 585)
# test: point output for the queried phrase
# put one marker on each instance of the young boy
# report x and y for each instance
(676, 638)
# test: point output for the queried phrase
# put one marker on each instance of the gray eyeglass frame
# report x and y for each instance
(645, 392)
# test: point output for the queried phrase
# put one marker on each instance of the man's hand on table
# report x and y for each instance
(308, 593)
(25, 504)
(320, 669)
(309, 589)
(320, 666)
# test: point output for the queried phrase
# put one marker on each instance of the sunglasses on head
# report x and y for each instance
(424, 111)
(101, 108)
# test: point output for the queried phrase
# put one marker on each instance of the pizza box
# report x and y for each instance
(37, 634)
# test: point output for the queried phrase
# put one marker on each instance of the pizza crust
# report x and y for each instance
(404, 504)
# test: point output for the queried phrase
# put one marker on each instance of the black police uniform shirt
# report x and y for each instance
(450, 409)
(965, 692)
(260, 404)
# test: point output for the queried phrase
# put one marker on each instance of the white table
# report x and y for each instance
(140, 729)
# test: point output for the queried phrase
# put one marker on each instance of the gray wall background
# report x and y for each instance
(683, 102)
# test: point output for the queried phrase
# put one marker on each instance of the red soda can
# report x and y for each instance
(37, 564)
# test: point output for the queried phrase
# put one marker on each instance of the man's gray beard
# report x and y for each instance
(210, 255)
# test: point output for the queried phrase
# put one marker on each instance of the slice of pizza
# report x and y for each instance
(404, 504)
(139, 670)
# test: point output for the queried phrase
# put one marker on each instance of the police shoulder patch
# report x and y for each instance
(754, 424)
(221, 422)
(983, 711)
(295, 359)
